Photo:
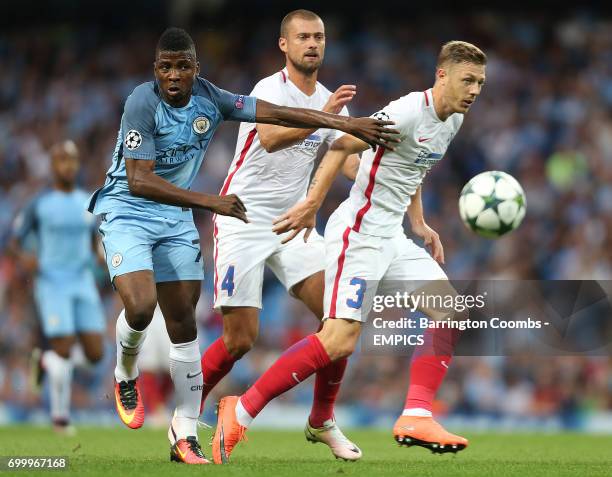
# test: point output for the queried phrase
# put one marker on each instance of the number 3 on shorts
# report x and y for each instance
(228, 282)
(359, 293)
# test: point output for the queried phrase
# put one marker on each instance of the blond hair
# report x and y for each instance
(461, 52)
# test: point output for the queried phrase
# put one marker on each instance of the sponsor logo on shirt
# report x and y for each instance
(427, 158)
(312, 142)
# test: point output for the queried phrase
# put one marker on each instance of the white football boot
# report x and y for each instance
(331, 435)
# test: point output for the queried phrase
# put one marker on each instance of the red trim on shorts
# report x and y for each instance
(284, 76)
(345, 244)
(243, 153)
(426, 98)
(368, 193)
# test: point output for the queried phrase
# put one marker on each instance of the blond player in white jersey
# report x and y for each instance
(366, 244)
(270, 173)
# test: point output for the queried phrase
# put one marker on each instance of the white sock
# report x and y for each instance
(242, 415)
(417, 412)
(78, 358)
(129, 342)
(59, 371)
(186, 374)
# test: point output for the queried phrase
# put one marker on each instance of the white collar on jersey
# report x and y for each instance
(285, 76)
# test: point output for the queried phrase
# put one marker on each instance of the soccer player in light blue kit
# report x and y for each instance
(151, 243)
(65, 291)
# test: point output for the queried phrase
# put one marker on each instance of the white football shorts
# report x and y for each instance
(241, 253)
(355, 260)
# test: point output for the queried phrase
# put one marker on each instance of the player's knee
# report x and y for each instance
(139, 313)
(239, 345)
(341, 350)
(94, 355)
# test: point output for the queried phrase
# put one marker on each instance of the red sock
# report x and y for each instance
(216, 363)
(327, 385)
(429, 365)
(151, 391)
(294, 366)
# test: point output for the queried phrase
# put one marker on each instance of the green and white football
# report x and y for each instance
(492, 204)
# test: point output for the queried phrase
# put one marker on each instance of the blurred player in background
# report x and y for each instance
(365, 242)
(270, 173)
(65, 292)
(155, 371)
(152, 245)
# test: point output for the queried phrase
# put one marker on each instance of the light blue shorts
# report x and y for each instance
(69, 306)
(168, 247)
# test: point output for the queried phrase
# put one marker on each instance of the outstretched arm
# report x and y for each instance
(430, 237)
(371, 131)
(303, 215)
(143, 182)
(274, 138)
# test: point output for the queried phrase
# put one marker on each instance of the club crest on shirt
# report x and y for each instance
(201, 124)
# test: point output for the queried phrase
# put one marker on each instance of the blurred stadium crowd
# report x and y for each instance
(545, 116)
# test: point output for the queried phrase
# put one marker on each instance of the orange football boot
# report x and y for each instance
(188, 451)
(128, 402)
(228, 432)
(425, 432)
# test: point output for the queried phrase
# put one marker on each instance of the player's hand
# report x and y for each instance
(230, 205)
(431, 239)
(374, 132)
(341, 97)
(302, 215)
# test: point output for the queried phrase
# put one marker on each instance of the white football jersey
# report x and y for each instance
(269, 184)
(387, 179)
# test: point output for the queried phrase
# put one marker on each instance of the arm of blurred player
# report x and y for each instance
(430, 237)
(370, 130)
(27, 260)
(24, 225)
(97, 248)
(303, 215)
(143, 182)
(274, 138)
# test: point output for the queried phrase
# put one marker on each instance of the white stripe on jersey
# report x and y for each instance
(387, 179)
(271, 183)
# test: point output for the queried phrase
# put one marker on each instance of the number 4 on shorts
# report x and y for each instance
(228, 282)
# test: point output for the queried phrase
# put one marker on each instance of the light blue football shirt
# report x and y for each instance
(175, 138)
(62, 231)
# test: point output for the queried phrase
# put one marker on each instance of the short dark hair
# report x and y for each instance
(176, 39)
(461, 52)
(301, 13)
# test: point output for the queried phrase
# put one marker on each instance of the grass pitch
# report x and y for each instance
(120, 451)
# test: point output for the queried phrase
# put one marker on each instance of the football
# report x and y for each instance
(492, 204)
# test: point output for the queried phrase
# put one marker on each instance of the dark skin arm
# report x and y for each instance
(369, 130)
(26, 259)
(143, 182)
(96, 248)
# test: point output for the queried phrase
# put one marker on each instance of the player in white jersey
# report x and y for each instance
(270, 173)
(365, 244)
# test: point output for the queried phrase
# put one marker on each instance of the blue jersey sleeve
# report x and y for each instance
(26, 222)
(233, 107)
(138, 123)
